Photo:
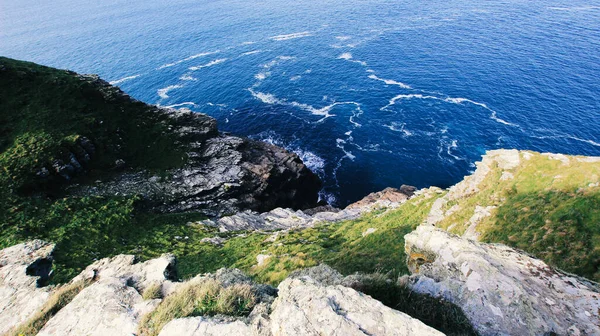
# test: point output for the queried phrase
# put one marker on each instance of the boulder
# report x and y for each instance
(307, 308)
(113, 304)
(24, 269)
(501, 290)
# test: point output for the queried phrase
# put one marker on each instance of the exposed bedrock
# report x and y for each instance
(501, 290)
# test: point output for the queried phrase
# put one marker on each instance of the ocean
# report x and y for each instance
(369, 93)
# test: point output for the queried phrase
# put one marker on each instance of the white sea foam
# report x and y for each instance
(262, 75)
(396, 127)
(124, 79)
(162, 93)
(188, 59)
(568, 136)
(248, 42)
(348, 57)
(285, 37)
(182, 104)
(187, 77)
(457, 101)
(295, 78)
(209, 64)
(345, 56)
(390, 81)
(575, 9)
(343, 37)
(251, 52)
(270, 99)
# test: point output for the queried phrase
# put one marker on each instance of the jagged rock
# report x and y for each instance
(501, 290)
(385, 198)
(126, 267)
(107, 307)
(23, 269)
(284, 219)
(224, 174)
(305, 308)
(218, 241)
(113, 304)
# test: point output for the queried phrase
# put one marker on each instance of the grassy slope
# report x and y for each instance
(548, 209)
(43, 112)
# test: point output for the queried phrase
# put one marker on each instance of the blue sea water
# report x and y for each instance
(370, 93)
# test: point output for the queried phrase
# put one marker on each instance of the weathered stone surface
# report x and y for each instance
(202, 326)
(224, 174)
(107, 307)
(305, 308)
(137, 274)
(501, 290)
(113, 304)
(283, 219)
(23, 268)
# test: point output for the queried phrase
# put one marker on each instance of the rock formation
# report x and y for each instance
(501, 290)
(23, 269)
(283, 219)
(224, 174)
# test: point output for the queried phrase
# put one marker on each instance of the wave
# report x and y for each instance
(251, 52)
(402, 128)
(295, 78)
(572, 9)
(270, 99)
(248, 43)
(162, 93)
(285, 37)
(457, 101)
(187, 77)
(343, 37)
(209, 64)
(568, 136)
(124, 79)
(348, 57)
(345, 56)
(188, 59)
(390, 81)
(182, 104)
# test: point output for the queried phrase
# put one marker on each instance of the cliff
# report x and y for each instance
(112, 222)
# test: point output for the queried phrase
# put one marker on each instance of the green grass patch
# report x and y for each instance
(205, 297)
(549, 209)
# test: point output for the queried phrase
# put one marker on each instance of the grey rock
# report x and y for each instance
(23, 269)
(224, 174)
(306, 308)
(286, 219)
(204, 326)
(501, 290)
(107, 307)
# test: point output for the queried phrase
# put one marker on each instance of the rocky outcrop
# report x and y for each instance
(284, 219)
(113, 304)
(501, 290)
(224, 174)
(24, 268)
(306, 308)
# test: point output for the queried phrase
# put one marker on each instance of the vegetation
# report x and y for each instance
(60, 298)
(549, 208)
(204, 297)
(436, 313)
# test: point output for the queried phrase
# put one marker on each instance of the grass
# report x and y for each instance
(153, 291)
(204, 297)
(548, 209)
(60, 298)
(436, 313)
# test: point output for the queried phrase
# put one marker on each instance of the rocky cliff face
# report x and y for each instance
(503, 291)
(223, 173)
